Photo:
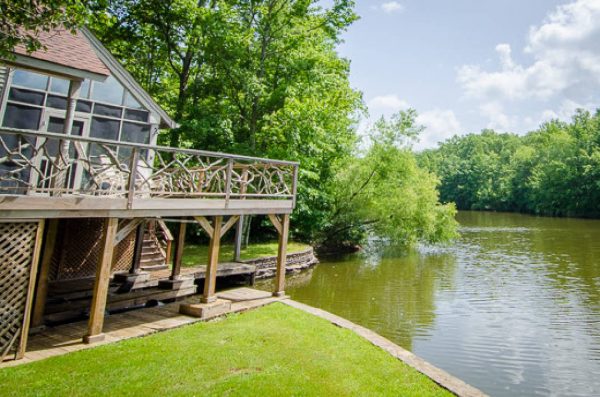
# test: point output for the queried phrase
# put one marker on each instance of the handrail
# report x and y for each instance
(43, 163)
(194, 152)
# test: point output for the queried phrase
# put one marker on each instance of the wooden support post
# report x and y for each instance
(237, 248)
(37, 318)
(29, 300)
(176, 270)
(137, 251)
(282, 256)
(210, 279)
(96, 321)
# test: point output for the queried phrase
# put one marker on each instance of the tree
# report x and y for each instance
(385, 193)
(21, 21)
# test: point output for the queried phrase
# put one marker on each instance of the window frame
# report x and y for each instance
(84, 115)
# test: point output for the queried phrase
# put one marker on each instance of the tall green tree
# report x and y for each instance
(251, 77)
(21, 21)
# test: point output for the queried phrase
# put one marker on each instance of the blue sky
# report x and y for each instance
(466, 65)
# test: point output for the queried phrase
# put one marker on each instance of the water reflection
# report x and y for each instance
(383, 288)
(513, 307)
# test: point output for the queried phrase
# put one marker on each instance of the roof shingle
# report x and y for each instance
(67, 49)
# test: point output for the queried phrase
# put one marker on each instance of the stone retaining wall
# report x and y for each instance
(295, 263)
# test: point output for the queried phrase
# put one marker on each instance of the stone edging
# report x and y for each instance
(295, 262)
(442, 378)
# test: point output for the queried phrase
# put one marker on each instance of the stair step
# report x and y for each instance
(153, 258)
(151, 252)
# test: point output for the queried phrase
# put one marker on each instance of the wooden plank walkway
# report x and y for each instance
(62, 339)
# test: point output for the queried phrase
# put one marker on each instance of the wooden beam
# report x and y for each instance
(213, 259)
(176, 270)
(35, 207)
(282, 256)
(37, 318)
(205, 225)
(232, 221)
(127, 229)
(98, 306)
(29, 300)
(276, 222)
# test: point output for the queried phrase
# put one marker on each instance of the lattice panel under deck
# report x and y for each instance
(17, 244)
(79, 252)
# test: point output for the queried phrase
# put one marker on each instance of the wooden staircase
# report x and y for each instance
(153, 255)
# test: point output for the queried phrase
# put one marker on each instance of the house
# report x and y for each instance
(84, 189)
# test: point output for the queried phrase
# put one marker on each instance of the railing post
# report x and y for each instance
(228, 182)
(132, 174)
(295, 185)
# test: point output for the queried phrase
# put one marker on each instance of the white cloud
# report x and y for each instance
(439, 126)
(392, 6)
(387, 104)
(498, 120)
(565, 66)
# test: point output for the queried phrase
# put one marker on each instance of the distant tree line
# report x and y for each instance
(554, 170)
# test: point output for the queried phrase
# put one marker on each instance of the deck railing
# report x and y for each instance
(55, 165)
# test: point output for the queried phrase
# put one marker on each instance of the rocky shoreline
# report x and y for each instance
(295, 263)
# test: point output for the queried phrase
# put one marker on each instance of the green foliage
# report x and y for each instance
(271, 351)
(385, 192)
(260, 78)
(21, 21)
(551, 171)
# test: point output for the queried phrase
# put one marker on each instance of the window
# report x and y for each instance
(59, 86)
(28, 79)
(105, 110)
(130, 101)
(84, 91)
(84, 106)
(136, 115)
(26, 96)
(104, 128)
(21, 116)
(138, 133)
(113, 112)
(109, 91)
(57, 102)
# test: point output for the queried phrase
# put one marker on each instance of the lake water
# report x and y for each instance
(513, 307)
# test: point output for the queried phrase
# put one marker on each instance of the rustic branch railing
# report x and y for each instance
(48, 164)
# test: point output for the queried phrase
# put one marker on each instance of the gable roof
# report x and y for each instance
(127, 80)
(82, 56)
(62, 47)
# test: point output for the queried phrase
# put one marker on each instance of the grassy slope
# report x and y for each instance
(194, 255)
(272, 351)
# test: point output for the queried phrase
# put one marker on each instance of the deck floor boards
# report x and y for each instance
(62, 339)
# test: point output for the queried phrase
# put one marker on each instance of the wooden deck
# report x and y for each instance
(55, 341)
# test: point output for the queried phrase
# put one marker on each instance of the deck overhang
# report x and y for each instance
(30, 207)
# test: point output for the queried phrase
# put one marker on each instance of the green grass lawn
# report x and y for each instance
(194, 255)
(272, 351)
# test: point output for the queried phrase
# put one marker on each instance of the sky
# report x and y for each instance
(467, 65)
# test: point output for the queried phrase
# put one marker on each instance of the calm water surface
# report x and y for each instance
(512, 308)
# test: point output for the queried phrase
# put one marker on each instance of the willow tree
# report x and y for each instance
(384, 193)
